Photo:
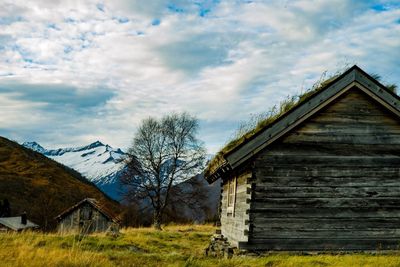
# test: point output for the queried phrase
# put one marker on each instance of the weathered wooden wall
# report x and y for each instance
(331, 184)
(235, 226)
(85, 219)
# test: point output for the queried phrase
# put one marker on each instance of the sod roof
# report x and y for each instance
(239, 150)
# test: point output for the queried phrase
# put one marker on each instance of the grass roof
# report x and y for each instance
(273, 115)
(262, 122)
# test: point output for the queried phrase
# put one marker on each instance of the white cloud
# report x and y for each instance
(219, 61)
(18, 113)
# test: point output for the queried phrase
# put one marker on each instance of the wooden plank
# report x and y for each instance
(327, 191)
(332, 160)
(317, 148)
(266, 224)
(311, 171)
(242, 195)
(325, 117)
(325, 234)
(347, 128)
(233, 224)
(345, 181)
(330, 244)
(240, 189)
(360, 102)
(344, 138)
(324, 202)
(357, 103)
(233, 218)
(326, 212)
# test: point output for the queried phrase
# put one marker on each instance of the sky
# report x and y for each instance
(73, 72)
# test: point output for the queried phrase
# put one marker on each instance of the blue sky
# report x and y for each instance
(72, 72)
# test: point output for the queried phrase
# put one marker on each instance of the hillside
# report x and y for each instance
(98, 162)
(40, 186)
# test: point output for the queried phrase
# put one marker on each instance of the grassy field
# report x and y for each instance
(175, 246)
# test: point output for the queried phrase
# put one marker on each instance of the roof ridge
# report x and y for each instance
(95, 203)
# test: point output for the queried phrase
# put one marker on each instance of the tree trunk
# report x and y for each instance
(157, 220)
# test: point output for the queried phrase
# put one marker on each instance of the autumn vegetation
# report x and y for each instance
(40, 186)
(177, 245)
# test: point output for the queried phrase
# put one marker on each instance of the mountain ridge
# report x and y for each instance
(98, 162)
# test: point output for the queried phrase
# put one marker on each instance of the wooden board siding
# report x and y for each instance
(332, 183)
(84, 219)
(235, 226)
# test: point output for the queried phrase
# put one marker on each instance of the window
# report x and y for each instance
(231, 195)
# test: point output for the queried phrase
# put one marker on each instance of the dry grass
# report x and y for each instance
(180, 245)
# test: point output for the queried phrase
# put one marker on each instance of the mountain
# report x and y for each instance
(41, 186)
(99, 163)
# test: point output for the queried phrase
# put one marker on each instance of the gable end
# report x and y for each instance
(352, 77)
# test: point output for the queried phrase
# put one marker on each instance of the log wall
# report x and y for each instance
(234, 226)
(331, 184)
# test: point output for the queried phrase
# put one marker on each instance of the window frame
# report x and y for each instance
(231, 196)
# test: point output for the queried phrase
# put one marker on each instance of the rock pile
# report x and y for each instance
(219, 247)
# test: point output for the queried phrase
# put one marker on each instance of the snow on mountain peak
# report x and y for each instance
(100, 163)
(93, 145)
(34, 146)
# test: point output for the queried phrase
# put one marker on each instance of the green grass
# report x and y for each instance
(180, 245)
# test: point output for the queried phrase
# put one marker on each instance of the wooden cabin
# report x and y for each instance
(16, 224)
(87, 216)
(323, 176)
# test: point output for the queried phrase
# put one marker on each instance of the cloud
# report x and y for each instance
(57, 96)
(196, 52)
(76, 71)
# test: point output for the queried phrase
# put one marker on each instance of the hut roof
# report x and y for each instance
(95, 204)
(245, 147)
(14, 223)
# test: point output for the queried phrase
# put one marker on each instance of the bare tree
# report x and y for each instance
(188, 201)
(164, 152)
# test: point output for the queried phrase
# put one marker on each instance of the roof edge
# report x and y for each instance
(92, 202)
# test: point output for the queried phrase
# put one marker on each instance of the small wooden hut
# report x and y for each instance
(16, 224)
(325, 175)
(87, 216)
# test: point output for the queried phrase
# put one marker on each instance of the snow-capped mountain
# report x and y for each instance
(98, 162)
